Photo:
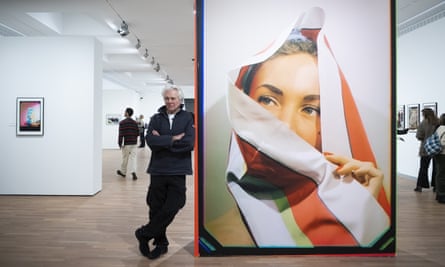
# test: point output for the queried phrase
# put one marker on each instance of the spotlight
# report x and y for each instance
(157, 67)
(169, 80)
(138, 45)
(152, 62)
(146, 53)
(123, 30)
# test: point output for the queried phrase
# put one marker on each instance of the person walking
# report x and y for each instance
(426, 128)
(170, 136)
(127, 141)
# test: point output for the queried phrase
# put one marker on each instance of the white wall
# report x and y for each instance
(67, 72)
(420, 79)
(115, 102)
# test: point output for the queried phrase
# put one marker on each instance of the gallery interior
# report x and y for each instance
(61, 202)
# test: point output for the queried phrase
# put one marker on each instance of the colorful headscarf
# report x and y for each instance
(285, 189)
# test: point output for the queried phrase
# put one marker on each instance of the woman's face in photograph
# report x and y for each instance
(288, 87)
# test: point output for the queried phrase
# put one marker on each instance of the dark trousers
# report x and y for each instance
(165, 197)
(440, 177)
(142, 139)
(422, 178)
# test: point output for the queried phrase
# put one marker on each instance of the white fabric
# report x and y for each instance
(170, 119)
(350, 202)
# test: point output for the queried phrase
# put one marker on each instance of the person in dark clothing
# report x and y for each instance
(440, 162)
(127, 141)
(426, 128)
(141, 125)
(170, 136)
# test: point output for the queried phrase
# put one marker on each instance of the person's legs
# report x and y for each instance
(142, 139)
(124, 163)
(174, 202)
(440, 178)
(167, 196)
(132, 160)
(154, 200)
(422, 178)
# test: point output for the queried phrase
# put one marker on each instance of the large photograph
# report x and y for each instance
(290, 159)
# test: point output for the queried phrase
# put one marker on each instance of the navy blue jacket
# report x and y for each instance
(167, 157)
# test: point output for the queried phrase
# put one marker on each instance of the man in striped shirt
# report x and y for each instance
(128, 136)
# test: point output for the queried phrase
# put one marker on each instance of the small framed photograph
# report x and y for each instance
(401, 117)
(431, 105)
(30, 120)
(112, 119)
(413, 116)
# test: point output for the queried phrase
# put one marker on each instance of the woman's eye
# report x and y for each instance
(311, 110)
(266, 100)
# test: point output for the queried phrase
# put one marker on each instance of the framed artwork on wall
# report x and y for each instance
(30, 119)
(112, 119)
(413, 116)
(431, 105)
(401, 117)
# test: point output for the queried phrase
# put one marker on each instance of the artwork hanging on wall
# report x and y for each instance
(266, 182)
(401, 117)
(112, 119)
(413, 116)
(431, 105)
(30, 116)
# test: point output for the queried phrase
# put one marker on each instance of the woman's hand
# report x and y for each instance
(364, 172)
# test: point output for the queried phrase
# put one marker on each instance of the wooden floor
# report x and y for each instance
(98, 231)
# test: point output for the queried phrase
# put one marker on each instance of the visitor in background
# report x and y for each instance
(127, 141)
(426, 128)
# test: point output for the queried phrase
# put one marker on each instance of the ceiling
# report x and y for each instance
(412, 14)
(165, 29)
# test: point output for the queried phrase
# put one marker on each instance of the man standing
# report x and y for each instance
(141, 125)
(127, 141)
(171, 138)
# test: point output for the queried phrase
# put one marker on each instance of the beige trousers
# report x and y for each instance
(128, 159)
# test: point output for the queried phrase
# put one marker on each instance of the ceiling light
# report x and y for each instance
(169, 80)
(146, 53)
(123, 30)
(157, 68)
(152, 62)
(138, 45)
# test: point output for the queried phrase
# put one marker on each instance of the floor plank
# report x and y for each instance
(98, 231)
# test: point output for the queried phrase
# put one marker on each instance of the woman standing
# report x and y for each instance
(425, 129)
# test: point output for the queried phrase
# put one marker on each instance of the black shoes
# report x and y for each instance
(418, 189)
(157, 252)
(143, 242)
(144, 248)
(133, 174)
